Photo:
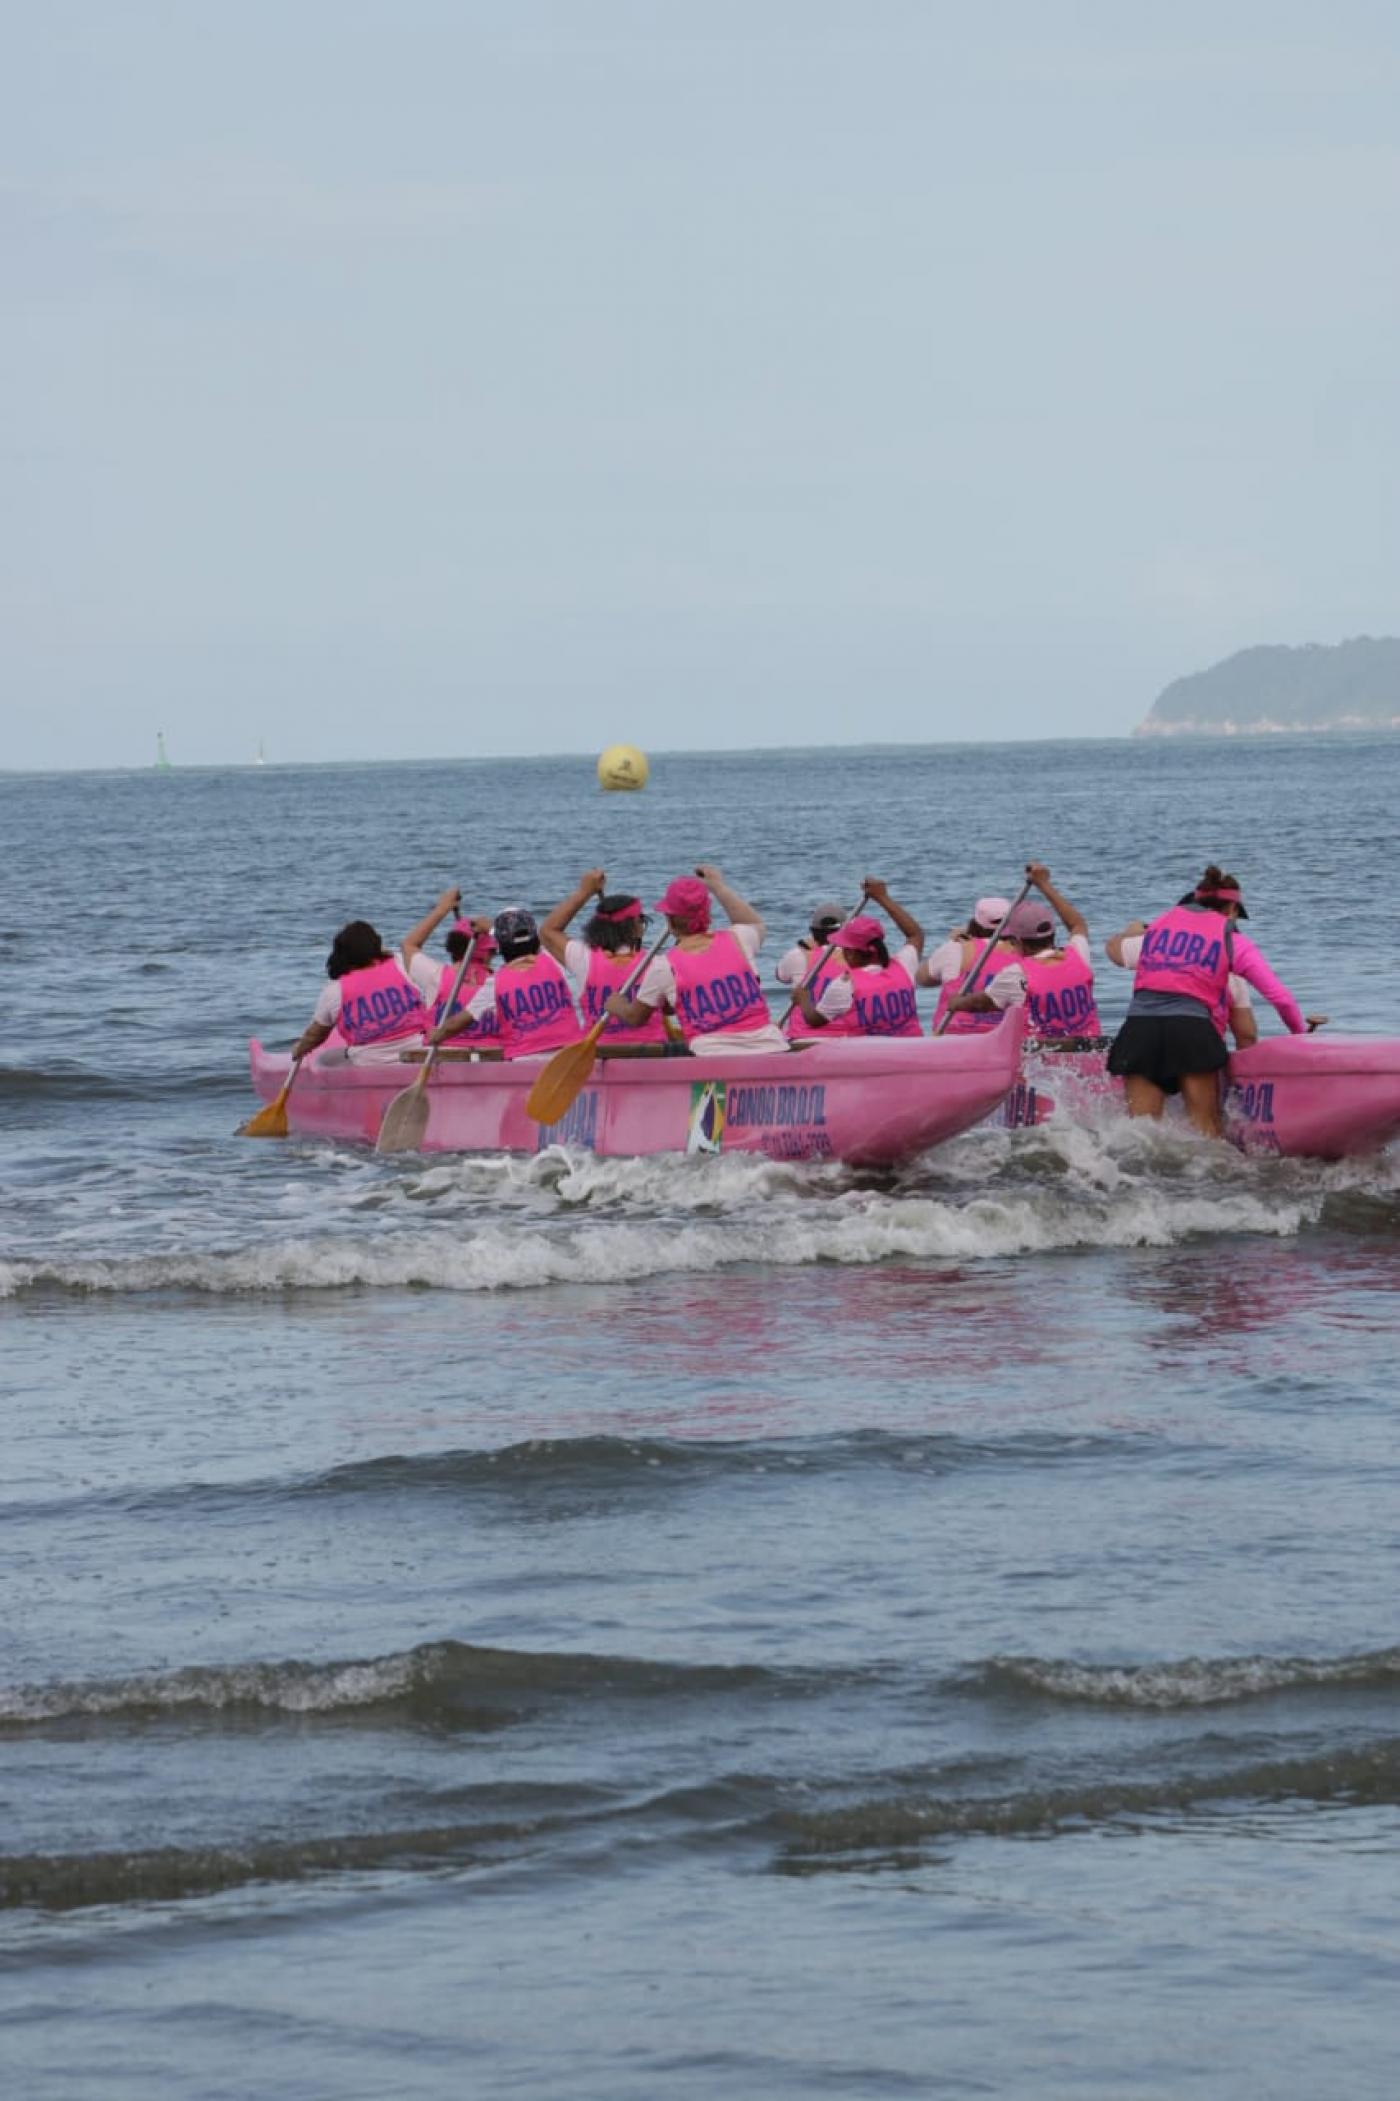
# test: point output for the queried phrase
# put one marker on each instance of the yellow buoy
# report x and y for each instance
(623, 766)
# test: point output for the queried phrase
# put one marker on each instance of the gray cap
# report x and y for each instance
(514, 926)
(827, 916)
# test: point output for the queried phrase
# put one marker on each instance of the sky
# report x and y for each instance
(417, 378)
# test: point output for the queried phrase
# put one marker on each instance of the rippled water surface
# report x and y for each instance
(702, 1628)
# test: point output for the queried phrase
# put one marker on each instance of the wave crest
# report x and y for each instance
(1192, 1682)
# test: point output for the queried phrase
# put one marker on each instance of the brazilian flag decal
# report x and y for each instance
(705, 1131)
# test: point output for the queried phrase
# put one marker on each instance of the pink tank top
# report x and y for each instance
(830, 967)
(973, 1024)
(534, 1007)
(717, 989)
(609, 974)
(882, 1004)
(1060, 995)
(486, 1027)
(1185, 952)
(380, 1005)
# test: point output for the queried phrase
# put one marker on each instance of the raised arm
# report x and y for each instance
(417, 941)
(735, 908)
(1074, 920)
(554, 932)
(908, 925)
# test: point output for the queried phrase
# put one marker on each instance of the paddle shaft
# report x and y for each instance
(969, 983)
(433, 1048)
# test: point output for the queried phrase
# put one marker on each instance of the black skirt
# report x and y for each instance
(1163, 1047)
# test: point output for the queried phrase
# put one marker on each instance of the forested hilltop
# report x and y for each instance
(1342, 686)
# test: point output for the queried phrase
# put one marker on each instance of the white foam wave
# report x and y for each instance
(283, 1688)
(1195, 1681)
(855, 1227)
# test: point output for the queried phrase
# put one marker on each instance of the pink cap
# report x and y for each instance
(485, 943)
(1029, 922)
(990, 911)
(687, 900)
(860, 932)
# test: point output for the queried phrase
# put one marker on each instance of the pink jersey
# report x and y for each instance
(1186, 953)
(380, 1005)
(717, 989)
(486, 1027)
(882, 1004)
(534, 1007)
(1060, 994)
(973, 1023)
(829, 967)
(609, 974)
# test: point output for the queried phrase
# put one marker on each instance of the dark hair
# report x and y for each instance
(612, 936)
(513, 945)
(457, 943)
(878, 950)
(355, 947)
(1211, 883)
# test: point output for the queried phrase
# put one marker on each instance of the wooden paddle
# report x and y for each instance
(566, 1074)
(406, 1118)
(271, 1121)
(969, 983)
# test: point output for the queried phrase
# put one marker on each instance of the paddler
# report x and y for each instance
(1055, 984)
(470, 938)
(707, 975)
(1243, 1025)
(872, 991)
(952, 960)
(603, 961)
(1173, 1039)
(528, 994)
(813, 960)
(377, 1002)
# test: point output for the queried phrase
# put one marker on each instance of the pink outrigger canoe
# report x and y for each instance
(868, 1101)
(1318, 1097)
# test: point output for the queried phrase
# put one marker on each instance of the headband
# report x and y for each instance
(631, 910)
(1230, 896)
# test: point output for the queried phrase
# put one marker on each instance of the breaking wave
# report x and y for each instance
(434, 1683)
(499, 1258)
(1192, 1682)
(504, 1223)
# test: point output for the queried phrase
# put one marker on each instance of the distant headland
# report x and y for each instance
(1342, 686)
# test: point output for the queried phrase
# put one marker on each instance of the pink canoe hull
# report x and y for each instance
(1318, 1097)
(869, 1102)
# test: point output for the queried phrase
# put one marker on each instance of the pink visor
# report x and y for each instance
(631, 910)
(1226, 897)
(688, 900)
(860, 932)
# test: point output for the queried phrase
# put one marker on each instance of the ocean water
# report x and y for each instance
(703, 1628)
